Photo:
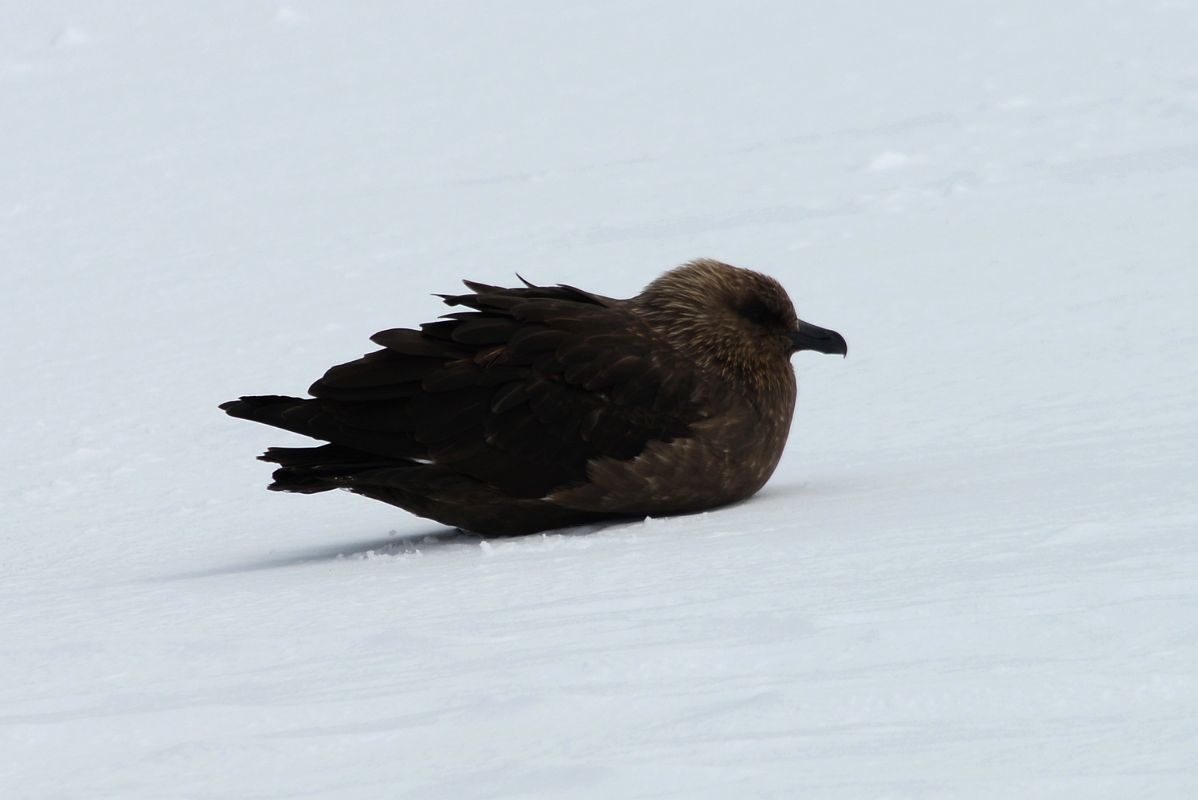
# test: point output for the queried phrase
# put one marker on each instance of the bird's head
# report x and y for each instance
(735, 320)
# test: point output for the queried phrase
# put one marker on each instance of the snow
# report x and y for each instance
(973, 575)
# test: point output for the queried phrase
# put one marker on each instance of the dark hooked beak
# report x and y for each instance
(821, 340)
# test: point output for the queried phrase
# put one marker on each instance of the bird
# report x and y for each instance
(542, 407)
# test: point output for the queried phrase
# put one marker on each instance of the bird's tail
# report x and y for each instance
(318, 469)
(288, 413)
(307, 469)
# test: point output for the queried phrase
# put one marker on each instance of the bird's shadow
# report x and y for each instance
(362, 548)
(440, 539)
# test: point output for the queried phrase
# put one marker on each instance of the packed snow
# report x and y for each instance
(975, 573)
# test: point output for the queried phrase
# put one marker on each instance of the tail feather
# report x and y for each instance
(309, 469)
(319, 457)
(289, 413)
(325, 420)
(319, 469)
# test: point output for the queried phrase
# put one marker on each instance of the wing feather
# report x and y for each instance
(521, 390)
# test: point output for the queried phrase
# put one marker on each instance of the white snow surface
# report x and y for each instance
(974, 574)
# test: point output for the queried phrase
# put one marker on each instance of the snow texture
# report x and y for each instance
(975, 573)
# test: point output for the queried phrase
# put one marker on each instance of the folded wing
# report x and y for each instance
(519, 390)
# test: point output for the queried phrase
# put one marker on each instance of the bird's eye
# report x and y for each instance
(760, 314)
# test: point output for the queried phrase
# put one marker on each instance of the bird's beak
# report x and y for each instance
(822, 340)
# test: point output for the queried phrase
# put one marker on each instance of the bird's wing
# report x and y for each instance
(521, 390)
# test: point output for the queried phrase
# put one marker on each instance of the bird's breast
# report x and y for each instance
(726, 458)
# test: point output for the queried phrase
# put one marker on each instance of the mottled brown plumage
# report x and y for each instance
(540, 407)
